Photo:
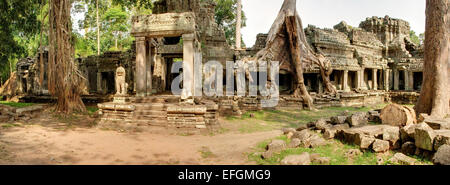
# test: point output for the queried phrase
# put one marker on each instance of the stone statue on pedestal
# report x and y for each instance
(121, 85)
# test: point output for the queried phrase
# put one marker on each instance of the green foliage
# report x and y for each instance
(226, 17)
(19, 25)
(416, 39)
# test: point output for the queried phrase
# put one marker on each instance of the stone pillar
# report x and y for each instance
(99, 82)
(358, 79)
(375, 80)
(148, 71)
(141, 67)
(345, 86)
(411, 80)
(396, 80)
(386, 79)
(407, 80)
(188, 66)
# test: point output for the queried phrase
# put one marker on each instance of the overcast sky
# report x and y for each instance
(327, 13)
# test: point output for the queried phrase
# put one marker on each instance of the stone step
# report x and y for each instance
(150, 112)
(142, 122)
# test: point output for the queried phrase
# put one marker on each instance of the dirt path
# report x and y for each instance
(36, 144)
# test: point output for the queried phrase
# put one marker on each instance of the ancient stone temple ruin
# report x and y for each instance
(373, 63)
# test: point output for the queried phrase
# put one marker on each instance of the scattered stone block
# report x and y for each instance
(408, 148)
(295, 143)
(442, 138)
(442, 156)
(357, 119)
(407, 132)
(392, 134)
(352, 153)
(317, 141)
(302, 159)
(402, 159)
(337, 120)
(380, 146)
(364, 142)
(287, 130)
(302, 127)
(424, 137)
(276, 145)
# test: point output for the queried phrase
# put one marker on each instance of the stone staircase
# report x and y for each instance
(163, 111)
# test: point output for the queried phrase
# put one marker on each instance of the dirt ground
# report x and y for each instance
(53, 140)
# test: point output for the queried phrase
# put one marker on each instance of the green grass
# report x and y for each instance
(91, 109)
(205, 152)
(335, 151)
(267, 120)
(16, 105)
(9, 125)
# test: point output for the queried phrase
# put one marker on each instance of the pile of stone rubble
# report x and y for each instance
(425, 137)
(10, 114)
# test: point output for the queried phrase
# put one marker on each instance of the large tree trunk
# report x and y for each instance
(435, 94)
(238, 24)
(293, 38)
(64, 78)
(287, 44)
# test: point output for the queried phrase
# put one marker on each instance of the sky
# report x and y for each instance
(327, 13)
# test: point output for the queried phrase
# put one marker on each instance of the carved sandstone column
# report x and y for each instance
(345, 82)
(411, 80)
(375, 80)
(406, 77)
(386, 79)
(141, 66)
(396, 80)
(148, 69)
(188, 66)
(358, 79)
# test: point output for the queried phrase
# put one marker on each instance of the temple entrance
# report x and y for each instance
(352, 80)
(170, 77)
(418, 79)
(108, 82)
(368, 78)
(311, 82)
(286, 83)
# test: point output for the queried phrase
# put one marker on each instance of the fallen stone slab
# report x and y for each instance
(352, 134)
(302, 159)
(402, 159)
(424, 137)
(330, 133)
(294, 143)
(287, 130)
(442, 156)
(438, 124)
